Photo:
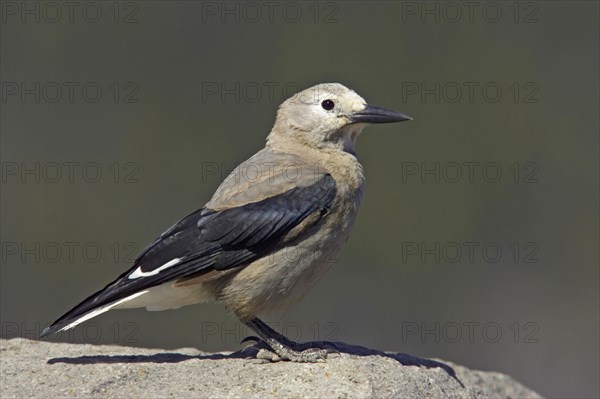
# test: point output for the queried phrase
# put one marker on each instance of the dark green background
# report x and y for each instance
(176, 130)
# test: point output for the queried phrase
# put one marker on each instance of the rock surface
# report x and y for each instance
(43, 369)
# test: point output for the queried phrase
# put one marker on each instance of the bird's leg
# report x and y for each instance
(283, 348)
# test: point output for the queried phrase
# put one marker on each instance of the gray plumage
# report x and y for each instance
(266, 236)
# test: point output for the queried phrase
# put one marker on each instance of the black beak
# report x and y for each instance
(375, 114)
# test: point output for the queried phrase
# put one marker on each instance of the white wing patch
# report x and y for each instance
(137, 273)
(101, 310)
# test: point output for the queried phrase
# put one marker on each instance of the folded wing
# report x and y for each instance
(212, 239)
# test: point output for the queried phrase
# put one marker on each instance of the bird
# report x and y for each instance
(303, 198)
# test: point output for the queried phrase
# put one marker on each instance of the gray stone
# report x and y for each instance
(44, 369)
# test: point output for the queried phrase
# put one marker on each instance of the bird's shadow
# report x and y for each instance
(251, 352)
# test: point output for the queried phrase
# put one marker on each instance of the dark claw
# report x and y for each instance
(251, 338)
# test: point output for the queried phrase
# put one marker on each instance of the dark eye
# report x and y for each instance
(327, 105)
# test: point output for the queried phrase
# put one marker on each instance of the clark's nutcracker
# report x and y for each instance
(260, 243)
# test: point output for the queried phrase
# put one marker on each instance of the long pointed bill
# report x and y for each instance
(375, 114)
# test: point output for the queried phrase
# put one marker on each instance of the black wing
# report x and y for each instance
(209, 240)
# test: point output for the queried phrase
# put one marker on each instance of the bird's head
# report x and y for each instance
(328, 115)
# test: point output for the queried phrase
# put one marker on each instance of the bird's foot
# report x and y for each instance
(279, 352)
(275, 351)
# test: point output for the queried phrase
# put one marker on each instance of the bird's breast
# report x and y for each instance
(349, 177)
(282, 278)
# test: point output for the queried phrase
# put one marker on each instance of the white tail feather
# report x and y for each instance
(101, 310)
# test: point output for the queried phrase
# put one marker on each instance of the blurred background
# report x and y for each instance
(477, 242)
